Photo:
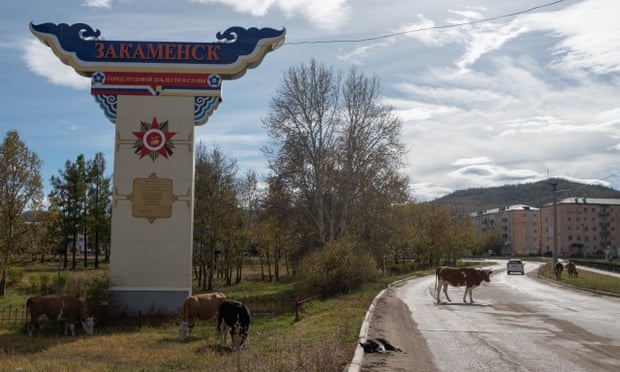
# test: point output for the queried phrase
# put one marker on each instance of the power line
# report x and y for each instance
(612, 175)
(373, 38)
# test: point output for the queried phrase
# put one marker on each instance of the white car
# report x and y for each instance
(515, 265)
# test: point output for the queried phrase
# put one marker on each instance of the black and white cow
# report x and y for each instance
(235, 316)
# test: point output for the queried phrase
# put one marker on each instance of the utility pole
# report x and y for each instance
(555, 222)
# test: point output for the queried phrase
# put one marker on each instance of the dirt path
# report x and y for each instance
(392, 321)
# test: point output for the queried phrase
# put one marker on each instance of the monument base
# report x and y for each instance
(146, 301)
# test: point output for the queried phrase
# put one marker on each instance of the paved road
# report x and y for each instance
(518, 323)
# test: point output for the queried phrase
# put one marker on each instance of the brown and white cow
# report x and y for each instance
(460, 276)
(235, 316)
(202, 306)
(572, 270)
(69, 310)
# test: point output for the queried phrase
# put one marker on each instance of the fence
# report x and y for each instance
(12, 314)
(259, 307)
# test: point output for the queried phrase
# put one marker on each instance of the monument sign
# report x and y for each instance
(155, 93)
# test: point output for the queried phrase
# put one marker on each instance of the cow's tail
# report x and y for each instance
(436, 280)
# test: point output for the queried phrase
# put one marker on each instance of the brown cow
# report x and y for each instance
(572, 270)
(457, 276)
(203, 306)
(68, 309)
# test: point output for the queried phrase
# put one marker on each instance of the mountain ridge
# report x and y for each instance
(535, 194)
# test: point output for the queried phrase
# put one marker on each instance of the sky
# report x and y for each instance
(489, 92)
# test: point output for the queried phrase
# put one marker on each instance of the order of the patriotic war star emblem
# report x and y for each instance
(154, 140)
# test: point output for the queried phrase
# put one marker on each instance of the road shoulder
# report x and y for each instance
(392, 320)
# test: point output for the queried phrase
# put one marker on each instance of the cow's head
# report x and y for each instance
(239, 335)
(89, 324)
(184, 327)
(486, 275)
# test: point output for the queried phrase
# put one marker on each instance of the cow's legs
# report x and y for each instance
(70, 326)
(30, 325)
(470, 290)
(222, 328)
(445, 291)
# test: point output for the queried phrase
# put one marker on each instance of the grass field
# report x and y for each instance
(323, 339)
(585, 280)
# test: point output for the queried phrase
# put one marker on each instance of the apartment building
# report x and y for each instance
(517, 225)
(587, 227)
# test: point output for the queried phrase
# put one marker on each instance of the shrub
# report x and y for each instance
(336, 268)
(14, 276)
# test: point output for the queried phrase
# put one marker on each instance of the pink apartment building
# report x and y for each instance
(587, 227)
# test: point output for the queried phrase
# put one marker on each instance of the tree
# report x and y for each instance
(98, 206)
(273, 233)
(302, 124)
(20, 185)
(218, 219)
(69, 194)
(335, 146)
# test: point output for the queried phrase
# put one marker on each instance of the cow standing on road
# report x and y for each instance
(69, 310)
(236, 316)
(457, 276)
(202, 306)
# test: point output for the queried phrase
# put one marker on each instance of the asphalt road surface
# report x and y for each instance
(517, 323)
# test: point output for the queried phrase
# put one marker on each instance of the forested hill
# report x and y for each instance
(534, 194)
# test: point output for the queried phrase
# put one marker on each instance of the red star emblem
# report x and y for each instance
(154, 140)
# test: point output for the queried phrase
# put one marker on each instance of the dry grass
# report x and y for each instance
(275, 344)
(323, 339)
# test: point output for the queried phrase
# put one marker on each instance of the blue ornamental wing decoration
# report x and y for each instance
(82, 47)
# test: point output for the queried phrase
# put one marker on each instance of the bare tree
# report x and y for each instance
(20, 185)
(302, 123)
(334, 145)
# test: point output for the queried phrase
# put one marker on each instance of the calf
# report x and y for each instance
(69, 310)
(456, 276)
(202, 306)
(236, 316)
(572, 270)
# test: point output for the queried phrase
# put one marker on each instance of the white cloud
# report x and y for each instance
(41, 60)
(488, 37)
(98, 3)
(471, 161)
(324, 14)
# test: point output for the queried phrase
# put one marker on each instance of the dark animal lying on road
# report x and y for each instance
(378, 345)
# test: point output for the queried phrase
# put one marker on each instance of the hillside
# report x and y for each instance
(534, 194)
